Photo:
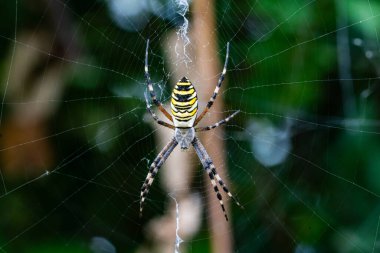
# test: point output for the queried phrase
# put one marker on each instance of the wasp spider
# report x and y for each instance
(184, 108)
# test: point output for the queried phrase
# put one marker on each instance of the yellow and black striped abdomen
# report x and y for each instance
(184, 103)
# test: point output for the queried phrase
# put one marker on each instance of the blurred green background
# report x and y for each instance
(303, 155)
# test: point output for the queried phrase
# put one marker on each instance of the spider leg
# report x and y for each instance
(223, 185)
(148, 107)
(208, 165)
(220, 81)
(154, 167)
(224, 121)
(150, 86)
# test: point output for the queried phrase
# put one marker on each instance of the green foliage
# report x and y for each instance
(59, 247)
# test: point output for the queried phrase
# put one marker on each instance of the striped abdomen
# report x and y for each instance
(184, 103)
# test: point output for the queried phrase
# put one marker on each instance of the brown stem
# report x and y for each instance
(208, 70)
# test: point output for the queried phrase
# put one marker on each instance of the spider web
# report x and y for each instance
(76, 142)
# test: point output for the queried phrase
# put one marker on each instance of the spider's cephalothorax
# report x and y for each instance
(184, 137)
(184, 107)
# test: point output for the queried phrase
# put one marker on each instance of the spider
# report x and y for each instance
(184, 107)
